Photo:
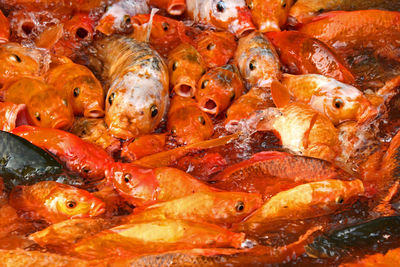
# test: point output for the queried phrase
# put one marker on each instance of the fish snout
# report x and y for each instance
(367, 114)
(94, 111)
(244, 23)
(61, 124)
(99, 207)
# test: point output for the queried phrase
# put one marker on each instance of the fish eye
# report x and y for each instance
(202, 120)
(37, 116)
(165, 26)
(16, 58)
(76, 91)
(86, 169)
(173, 130)
(111, 98)
(204, 84)
(210, 46)
(252, 65)
(127, 19)
(220, 6)
(283, 3)
(71, 204)
(233, 96)
(250, 5)
(338, 103)
(339, 199)
(127, 177)
(154, 111)
(174, 65)
(239, 206)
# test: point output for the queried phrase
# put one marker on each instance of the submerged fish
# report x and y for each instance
(78, 84)
(213, 207)
(138, 96)
(337, 101)
(187, 122)
(55, 202)
(218, 88)
(257, 60)
(45, 106)
(24, 163)
(157, 236)
(269, 15)
(305, 201)
(186, 67)
(231, 15)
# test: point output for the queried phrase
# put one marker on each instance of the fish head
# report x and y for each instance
(48, 109)
(87, 96)
(71, 202)
(343, 103)
(236, 205)
(135, 105)
(16, 60)
(232, 15)
(136, 184)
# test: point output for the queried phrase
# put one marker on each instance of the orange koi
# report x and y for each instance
(141, 146)
(218, 88)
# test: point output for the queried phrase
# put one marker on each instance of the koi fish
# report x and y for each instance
(79, 156)
(215, 47)
(55, 202)
(4, 28)
(186, 67)
(146, 186)
(78, 84)
(302, 54)
(231, 15)
(301, 129)
(138, 96)
(390, 258)
(12, 115)
(167, 235)
(257, 60)
(218, 88)
(17, 61)
(352, 30)
(337, 101)
(212, 207)
(173, 7)
(117, 18)
(141, 146)
(187, 123)
(304, 11)
(305, 201)
(269, 15)
(164, 33)
(46, 108)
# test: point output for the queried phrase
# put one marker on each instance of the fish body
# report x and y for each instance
(302, 54)
(269, 15)
(117, 18)
(173, 7)
(17, 61)
(306, 201)
(302, 130)
(304, 11)
(24, 163)
(186, 67)
(390, 258)
(212, 207)
(215, 47)
(146, 186)
(338, 101)
(12, 115)
(257, 60)
(143, 146)
(157, 236)
(55, 202)
(231, 15)
(348, 31)
(4, 28)
(82, 89)
(138, 96)
(187, 122)
(218, 88)
(45, 106)
(79, 156)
